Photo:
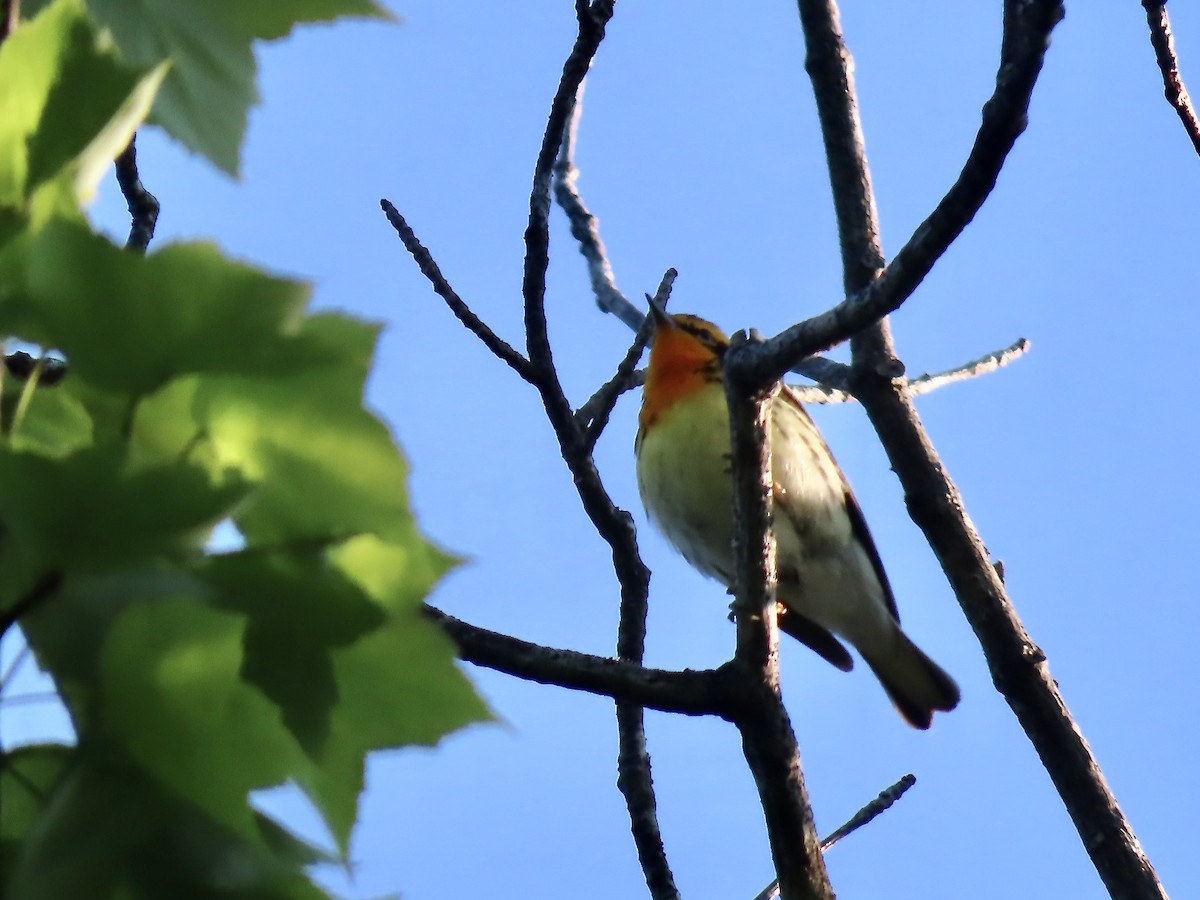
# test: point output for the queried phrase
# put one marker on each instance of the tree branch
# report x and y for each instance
(924, 384)
(1019, 669)
(593, 415)
(864, 816)
(585, 228)
(1164, 51)
(768, 741)
(592, 18)
(143, 205)
(692, 693)
(613, 524)
(1017, 665)
(1028, 24)
(429, 268)
(41, 591)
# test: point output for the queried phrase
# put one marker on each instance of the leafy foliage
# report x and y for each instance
(199, 392)
(207, 96)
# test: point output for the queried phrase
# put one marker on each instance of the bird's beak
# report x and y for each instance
(662, 318)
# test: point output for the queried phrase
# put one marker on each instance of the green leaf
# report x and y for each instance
(109, 832)
(27, 779)
(336, 639)
(298, 609)
(174, 697)
(398, 686)
(206, 98)
(325, 468)
(328, 469)
(68, 631)
(398, 575)
(55, 424)
(91, 511)
(70, 107)
(128, 323)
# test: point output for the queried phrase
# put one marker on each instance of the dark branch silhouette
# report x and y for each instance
(593, 415)
(143, 205)
(1027, 31)
(1176, 93)
(1018, 667)
(881, 804)
(768, 741)
(429, 268)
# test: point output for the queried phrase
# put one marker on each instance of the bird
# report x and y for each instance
(830, 581)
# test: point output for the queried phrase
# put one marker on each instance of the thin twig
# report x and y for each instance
(429, 268)
(864, 816)
(768, 741)
(586, 229)
(924, 384)
(880, 804)
(1168, 63)
(14, 666)
(635, 380)
(143, 205)
(1005, 115)
(42, 590)
(25, 699)
(990, 362)
(592, 19)
(594, 414)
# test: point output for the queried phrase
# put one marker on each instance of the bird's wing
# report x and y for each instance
(858, 524)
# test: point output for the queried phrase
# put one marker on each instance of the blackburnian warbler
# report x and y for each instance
(830, 580)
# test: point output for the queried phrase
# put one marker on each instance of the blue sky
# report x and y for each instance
(699, 150)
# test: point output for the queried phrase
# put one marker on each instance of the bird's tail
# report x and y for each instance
(915, 683)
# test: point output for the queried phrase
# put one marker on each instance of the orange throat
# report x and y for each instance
(679, 366)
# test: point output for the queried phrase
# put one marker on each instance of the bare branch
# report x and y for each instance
(1026, 38)
(38, 594)
(10, 17)
(1028, 24)
(593, 18)
(868, 813)
(429, 268)
(768, 741)
(923, 384)
(864, 816)
(1173, 87)
(586, 229)
(692, 693)
(1019, 669)
(143, 205)
(613, 524)
(636, 784)
(635, 380)
(593, 415)
(997, 359)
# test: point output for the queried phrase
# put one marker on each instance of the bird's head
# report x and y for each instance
(685, 355)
